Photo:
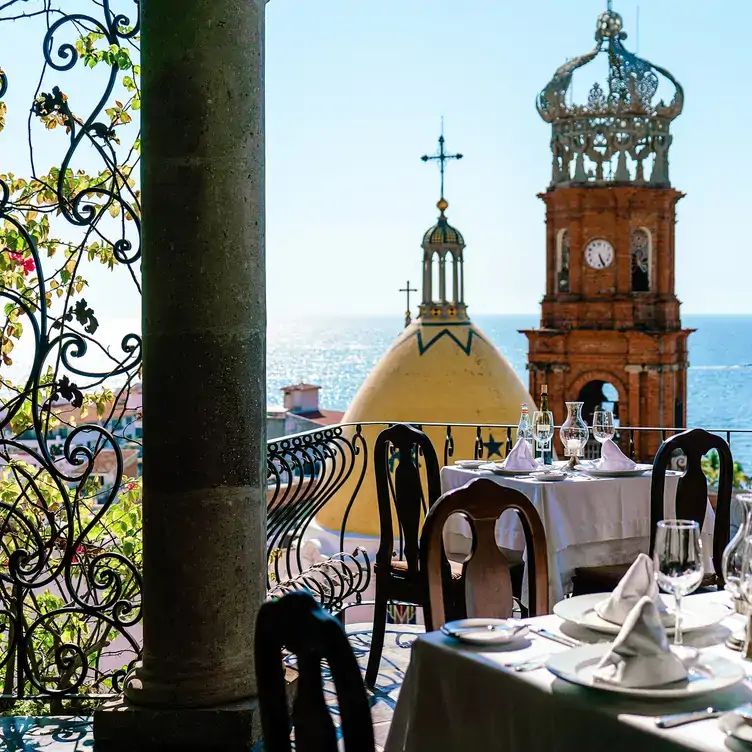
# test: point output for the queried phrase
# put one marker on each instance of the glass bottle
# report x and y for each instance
(574, 432)
(741, 519)
(543, 427)
(733, 559)
(524, 430)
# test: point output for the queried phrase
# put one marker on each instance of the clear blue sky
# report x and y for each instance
(355, 93)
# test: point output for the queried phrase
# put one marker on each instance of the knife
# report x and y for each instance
(679, 719)
(568, 641)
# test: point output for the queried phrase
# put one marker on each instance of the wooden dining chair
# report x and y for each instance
(486, 571)
(296, 623)
(691, 504)
(397, 573)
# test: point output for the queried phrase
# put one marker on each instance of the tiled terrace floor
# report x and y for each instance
(73, 734)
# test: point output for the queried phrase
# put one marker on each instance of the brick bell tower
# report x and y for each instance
(610, 315)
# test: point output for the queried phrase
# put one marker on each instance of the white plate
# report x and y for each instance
(580, 610)
(470, 464)
(596, 473)
(710, 674)
(495, 467)
(552, 475)
(476, 632)
(734, 725)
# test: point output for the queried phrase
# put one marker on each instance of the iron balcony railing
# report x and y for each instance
(324, 474)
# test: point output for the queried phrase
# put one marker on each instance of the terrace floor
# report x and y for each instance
(73, 734)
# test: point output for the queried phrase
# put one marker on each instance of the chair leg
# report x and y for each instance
(377, 638)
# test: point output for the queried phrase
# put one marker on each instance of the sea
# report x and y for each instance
(338, 353)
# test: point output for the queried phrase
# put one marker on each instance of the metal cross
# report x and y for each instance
(441, 157)
(407, 289)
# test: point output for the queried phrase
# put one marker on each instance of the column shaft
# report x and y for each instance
(204, 327)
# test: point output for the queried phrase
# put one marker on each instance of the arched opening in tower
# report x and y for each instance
(598, 395)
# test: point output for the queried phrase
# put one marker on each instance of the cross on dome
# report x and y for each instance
(441, 157)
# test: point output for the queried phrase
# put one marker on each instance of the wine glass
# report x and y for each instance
(603, 426)
(678, 564)
(543, 430)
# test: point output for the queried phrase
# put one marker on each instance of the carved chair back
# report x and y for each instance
(403, 448)
(692, 490)
(487, 583)
(296, 623)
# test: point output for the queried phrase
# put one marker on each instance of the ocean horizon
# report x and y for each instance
(337, 353)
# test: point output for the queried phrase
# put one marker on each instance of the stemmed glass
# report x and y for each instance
(745, 590)
(543, 430)
(678, 565)
(603, 426)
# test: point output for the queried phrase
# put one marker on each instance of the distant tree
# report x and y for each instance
(711, 466)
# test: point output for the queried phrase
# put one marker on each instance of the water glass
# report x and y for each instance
(603, 425)
(678, 562)
(543, 429)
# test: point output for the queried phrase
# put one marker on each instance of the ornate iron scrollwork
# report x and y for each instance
(621, 132)
(70, 581)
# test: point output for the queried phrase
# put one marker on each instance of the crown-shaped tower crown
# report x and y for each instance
(620, 134)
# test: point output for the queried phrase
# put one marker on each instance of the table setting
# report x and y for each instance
(594, 512)
(652, 668)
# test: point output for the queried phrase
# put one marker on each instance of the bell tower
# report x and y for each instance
(610, 325)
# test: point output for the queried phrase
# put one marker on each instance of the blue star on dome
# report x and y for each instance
(395, 458)
(492, 446)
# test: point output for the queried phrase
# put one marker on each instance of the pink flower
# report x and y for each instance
(74, 559)
(28, 264)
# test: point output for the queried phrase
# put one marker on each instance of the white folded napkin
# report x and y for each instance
(640, 655)
(612, 458)
(639, 582)
(520, 458)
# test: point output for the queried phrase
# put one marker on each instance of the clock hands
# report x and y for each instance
(603, 263)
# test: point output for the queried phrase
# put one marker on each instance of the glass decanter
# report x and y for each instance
(733, 559)
(574, 432)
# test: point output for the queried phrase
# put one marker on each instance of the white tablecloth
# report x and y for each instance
(461, 699)
(588, 521)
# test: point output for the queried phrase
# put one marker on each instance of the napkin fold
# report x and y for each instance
(638, 583)
(520, 458)
(612, 458)
(640, 656)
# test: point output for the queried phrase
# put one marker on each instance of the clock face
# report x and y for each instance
(599, 253)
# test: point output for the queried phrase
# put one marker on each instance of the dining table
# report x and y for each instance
(589, 520)
(464, 698)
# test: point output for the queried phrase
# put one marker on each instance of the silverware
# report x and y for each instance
(528, 664)
(568, 641)
(483, 627)
(679, 719)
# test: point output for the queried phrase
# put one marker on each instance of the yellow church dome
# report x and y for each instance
(441, 369)
(447, 373)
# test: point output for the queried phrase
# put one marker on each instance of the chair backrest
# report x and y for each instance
(692, 490)
(298, 624)
(487, 582)
(403, 447)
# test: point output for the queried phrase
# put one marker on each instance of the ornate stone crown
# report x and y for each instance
(621, 134)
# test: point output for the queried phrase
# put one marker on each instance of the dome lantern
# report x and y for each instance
(621, 133)
(443, 246)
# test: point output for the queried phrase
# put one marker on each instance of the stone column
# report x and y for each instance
(204, 328)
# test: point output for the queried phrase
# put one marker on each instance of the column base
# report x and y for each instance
(120, 726)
